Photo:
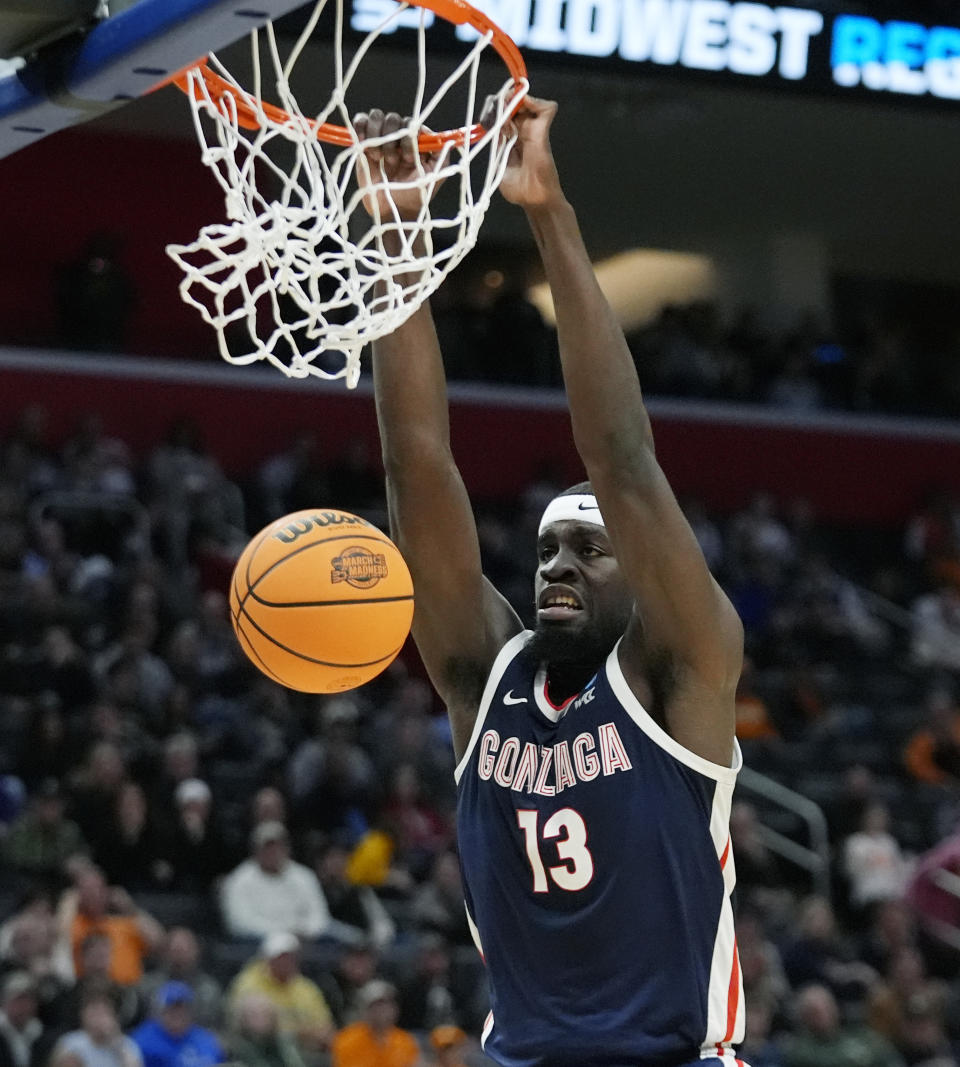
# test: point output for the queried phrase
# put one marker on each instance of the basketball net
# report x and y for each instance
(300, 276)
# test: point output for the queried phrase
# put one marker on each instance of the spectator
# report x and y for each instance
(935, 634)
(95, 957)
(356, 967)
(270, 893)
(332, 779)
(820, 955)
(429, 996)
(761, 966)
(356, 909)
(21, 1032)
(448, 1044)
(172, 1038)
(95, 907)
(100, 1042)
(33, 948)
(256, 1039)
(130, 849)
(180, 962)
(198, 851)
(932, 753)
(418, 830)
(873, 863)
(301, 1007)
(95, 788)
(42, 840)
(376, 1040)
(759, 1049)
(821, 1039)
(438, 903)
(268, 805)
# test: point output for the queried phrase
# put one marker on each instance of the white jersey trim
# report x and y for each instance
(659, 736)
(504, 658)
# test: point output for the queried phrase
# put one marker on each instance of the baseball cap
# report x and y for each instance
(171, 993)
(447, 1037)
(277, 944)
(192, 791)
(376, 989)
(269, 831)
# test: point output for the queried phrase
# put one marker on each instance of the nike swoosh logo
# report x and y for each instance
(509, 698)
(587, 507)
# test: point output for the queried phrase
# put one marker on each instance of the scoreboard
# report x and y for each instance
(825, 50)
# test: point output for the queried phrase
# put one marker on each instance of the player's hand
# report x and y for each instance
(531, 178)
(392, 163)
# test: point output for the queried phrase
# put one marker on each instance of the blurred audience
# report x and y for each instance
(375, 1040)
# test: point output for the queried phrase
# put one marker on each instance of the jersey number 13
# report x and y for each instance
(568, 826)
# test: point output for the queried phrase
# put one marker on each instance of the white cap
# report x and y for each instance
(192, 791)
(277, 944)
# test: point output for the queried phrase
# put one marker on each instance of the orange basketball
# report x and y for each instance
(321, 601)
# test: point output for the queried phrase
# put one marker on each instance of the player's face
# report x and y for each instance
(583, 603)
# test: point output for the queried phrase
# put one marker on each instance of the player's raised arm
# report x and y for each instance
(460, 622)
(685, 640)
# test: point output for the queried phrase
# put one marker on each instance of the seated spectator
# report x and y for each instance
(761, 966)
(448, 1044)
(376, 1040)
(438, 903)
(822, 1039)
(130, 849)
(332, 779)
(935, 633)
(256, 1039)
(758, 1048)
(301, 1007)
(95, 907)
(32, 946)
(418, 830)
(761, 879)
(909, 1008)
(100, 1042)
(356, 909)
(95, 787)
(873, 862)
(820, 955)
(21, 1032)
(429, 996)
(270, 893)
(42, 840)
(197, 849)
(172, 1038)
(95, 955)
(180, 962)
(358, 965)
(932, 753)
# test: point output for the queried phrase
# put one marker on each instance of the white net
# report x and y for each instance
(301, 276)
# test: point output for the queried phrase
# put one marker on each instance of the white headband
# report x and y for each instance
(579, 508)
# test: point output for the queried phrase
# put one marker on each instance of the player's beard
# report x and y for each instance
(566, 647)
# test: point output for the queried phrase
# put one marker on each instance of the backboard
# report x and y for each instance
(77, 60)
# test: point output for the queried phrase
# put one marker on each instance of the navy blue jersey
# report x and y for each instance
(597, 875)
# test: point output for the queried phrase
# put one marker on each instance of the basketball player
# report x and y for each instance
(596, 753)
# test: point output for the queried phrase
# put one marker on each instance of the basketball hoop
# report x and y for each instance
(303, 279)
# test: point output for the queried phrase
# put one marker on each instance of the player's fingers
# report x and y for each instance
(408, 144)
(489, 112)
(374, 129)
(391, 150)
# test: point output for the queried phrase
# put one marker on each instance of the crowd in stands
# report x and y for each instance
(198, 866)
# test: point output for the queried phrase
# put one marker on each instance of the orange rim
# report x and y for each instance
(458, 12)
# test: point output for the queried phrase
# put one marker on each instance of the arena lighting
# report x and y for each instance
(830, 51)
(639, 283)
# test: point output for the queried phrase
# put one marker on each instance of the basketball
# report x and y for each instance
(321, 601)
